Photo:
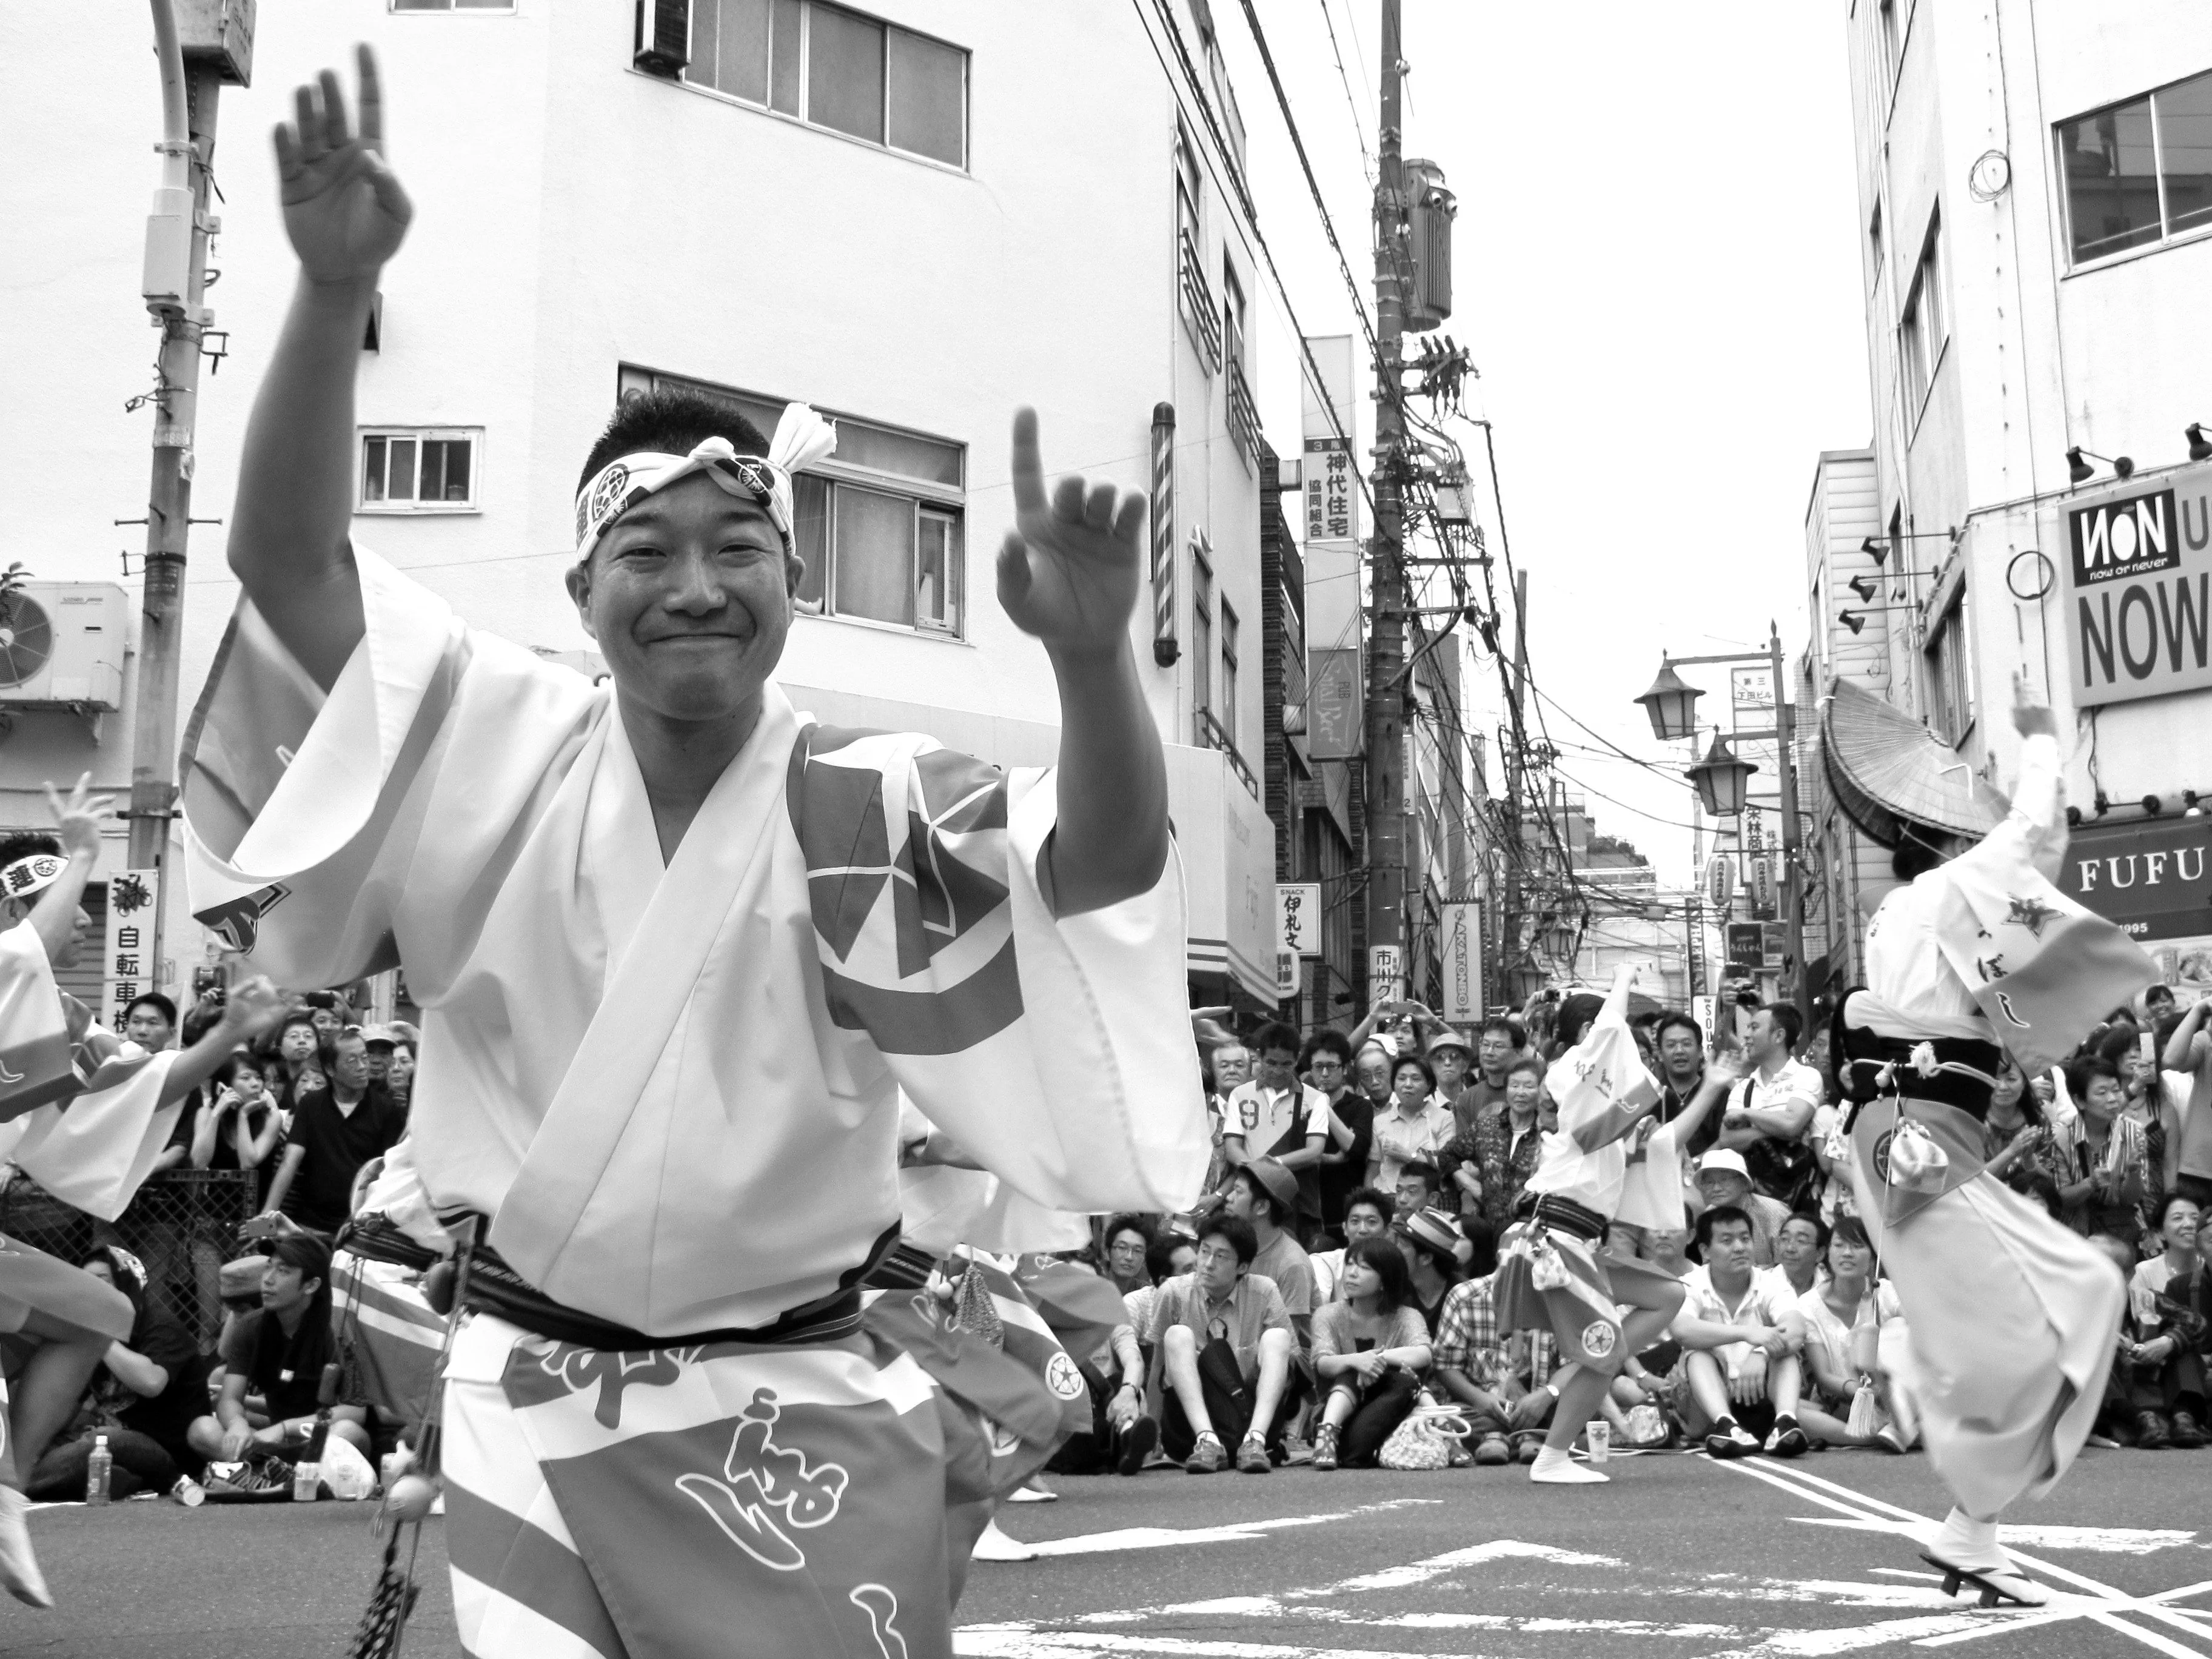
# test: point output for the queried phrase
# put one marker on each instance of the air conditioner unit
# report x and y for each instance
(62, 646)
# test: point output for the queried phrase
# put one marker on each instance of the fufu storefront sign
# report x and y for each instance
(2138, 602)
(2153, 878)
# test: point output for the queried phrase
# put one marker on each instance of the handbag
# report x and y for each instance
(1866, 1416)
(1424, 1440)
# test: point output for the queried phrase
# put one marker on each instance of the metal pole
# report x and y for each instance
(1386, 697)
(1785, 742)
(169, 492)
(1515, 758)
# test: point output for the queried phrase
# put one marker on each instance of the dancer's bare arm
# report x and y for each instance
(345, 214)
(1068, 574)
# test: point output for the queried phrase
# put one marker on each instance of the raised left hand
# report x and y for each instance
(1068, 571)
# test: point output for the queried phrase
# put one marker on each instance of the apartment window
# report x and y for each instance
(1950, 676)
(1201, 637)
(1923, 326)
(2139, 173)
(419, 469)
(835, 68)
(1228, 673)
(1244, 415)
(1193, 293)
(881, 523)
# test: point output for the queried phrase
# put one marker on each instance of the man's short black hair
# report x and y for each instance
(1516, 1033)
(1786, 1017)
(159, 1004)
(1720, 1213)
(671, 420)
(1422, 1169)
(1237, 1230)
(25, 844)
(1327, 1042)
(1274, 1034)
(1673, 1017)
(1382, 1203)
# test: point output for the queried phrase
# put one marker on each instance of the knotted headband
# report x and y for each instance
(31, 874)
(802, 437)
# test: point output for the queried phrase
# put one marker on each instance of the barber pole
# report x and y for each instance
(1165, 651)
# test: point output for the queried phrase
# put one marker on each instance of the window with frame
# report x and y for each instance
(835, 68)
(1923, 326)
(418, 469)
(2139, 173)
(1228, 673)
(1201, 638)
(1194, 294)
(881, 523)
(1876, 253)
(1950, 675)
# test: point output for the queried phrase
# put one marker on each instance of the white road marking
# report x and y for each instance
(1159, 1537)
(1419, 1572)
(2103, 1604)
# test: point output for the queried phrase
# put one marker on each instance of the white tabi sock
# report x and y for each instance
(1553, 1467)
(1965, 1542)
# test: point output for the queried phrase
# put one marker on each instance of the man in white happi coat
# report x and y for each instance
(678, 949)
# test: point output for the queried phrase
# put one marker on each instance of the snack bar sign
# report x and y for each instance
(2138, 597)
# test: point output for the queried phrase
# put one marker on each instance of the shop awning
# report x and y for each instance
(1890, 773)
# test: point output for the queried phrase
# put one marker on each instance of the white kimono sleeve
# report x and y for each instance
(1058, 1051)
(318, 826)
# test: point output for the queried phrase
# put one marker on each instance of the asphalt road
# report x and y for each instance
(1678, 1556)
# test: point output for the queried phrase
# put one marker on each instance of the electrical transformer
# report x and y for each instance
(1431, 209)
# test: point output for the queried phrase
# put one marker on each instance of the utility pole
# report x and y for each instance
(1516, 759)
(1386, 648)
(1793, 881)
(193, 70)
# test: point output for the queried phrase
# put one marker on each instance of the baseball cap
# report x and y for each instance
(1721, 1158)
(1282, 1186)
(372, 1035)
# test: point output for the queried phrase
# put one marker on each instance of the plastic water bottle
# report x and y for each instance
(305, 1478)
(98, 1470)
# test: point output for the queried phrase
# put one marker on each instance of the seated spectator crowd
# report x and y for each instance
(1329, 1299)
(232, 1356)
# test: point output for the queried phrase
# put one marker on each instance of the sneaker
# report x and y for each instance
(1137, 1442)
(257, 1480)
(1252, 1456)
(1295, 1452)
(19, 1568)
(1208, 1455)
(1731, 1441)
(1789, 1442)
(1324, 1449)
(1493, 1451)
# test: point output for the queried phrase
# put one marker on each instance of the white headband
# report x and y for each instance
(802, 437)
(31, 874)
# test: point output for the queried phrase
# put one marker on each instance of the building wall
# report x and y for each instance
(2043, 352)
(574, 214)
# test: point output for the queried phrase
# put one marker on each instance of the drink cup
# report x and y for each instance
(1598, 1434)
(305, 1478)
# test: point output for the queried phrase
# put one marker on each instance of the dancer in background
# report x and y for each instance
(1554, 1272)
(2011, 1316)
(84, 1114)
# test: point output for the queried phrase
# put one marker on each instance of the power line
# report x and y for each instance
(1366, 158)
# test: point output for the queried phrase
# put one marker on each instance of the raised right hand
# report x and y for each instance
(344, 209)
(77, 820)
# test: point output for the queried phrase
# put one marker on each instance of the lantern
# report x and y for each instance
(1720, 880)
(1721, 779)
(1671, 703)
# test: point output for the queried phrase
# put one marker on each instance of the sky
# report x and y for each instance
(1657, 272)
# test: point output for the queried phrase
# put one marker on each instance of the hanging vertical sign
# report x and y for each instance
(1463, 943)
(1297, 917)
(1336, 706)
(1329, 474)
(1384, 965)
(1164, 650)
(128, 970)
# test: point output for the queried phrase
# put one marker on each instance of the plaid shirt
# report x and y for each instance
(1467, 1341)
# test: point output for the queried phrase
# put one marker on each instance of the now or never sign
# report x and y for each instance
(2138, 602)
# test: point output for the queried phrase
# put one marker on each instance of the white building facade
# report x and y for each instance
(2035, 192)
(916, 218)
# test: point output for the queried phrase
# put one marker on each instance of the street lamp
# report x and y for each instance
(1721, 778)
(1671, 703)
